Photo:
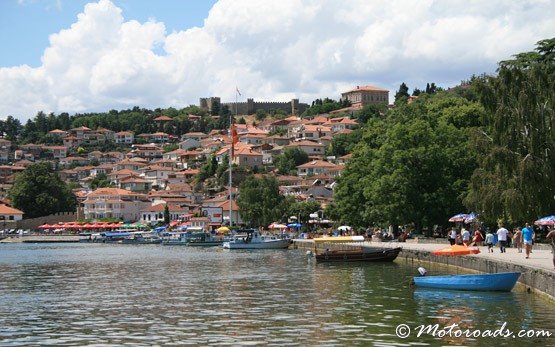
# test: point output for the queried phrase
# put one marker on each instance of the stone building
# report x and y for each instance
(365, 95)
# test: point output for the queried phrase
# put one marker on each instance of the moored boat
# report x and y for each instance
(503, 281)
(364, 254)
(254, 240)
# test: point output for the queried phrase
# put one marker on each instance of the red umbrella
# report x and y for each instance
(45, 226)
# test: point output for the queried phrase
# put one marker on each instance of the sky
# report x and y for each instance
(80, 56)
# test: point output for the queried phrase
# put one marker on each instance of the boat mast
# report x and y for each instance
(231, 158)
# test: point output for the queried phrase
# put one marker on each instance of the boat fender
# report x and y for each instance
(422, 271)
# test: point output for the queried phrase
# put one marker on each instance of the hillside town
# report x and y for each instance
(158, 171)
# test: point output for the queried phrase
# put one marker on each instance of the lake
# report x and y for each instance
(102, 294)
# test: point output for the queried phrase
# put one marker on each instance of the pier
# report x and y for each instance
(40, 239)
(537, 275)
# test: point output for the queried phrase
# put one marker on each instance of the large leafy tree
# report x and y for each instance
(38, 191)
(288, 161)
(515, 180)
(411, 167)
(259, 200)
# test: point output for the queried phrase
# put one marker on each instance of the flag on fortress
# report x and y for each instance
(238, 92)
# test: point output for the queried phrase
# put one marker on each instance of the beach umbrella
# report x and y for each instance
(458, 217)
(277, 226)
(294, 225)
(223, 230)
(472, 217)
(45, 226)
(456, 250)
(344, 228)
(549, 220)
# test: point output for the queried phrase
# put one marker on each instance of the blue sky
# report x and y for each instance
(92, 56)
(26, 24)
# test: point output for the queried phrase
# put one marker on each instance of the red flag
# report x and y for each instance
(234, 139)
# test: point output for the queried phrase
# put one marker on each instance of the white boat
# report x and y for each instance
(254, 240)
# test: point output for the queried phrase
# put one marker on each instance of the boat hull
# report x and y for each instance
(204, 243)
(270, 244)
(504, 281)
(380, 255)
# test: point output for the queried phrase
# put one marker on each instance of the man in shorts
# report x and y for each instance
(527, 238)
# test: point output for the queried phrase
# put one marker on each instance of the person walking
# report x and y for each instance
(517, 239)
(551, 237)
(528, 236)
(502, 234)
(465, 234)
(489, 241)
(478, 238)
(452, 236)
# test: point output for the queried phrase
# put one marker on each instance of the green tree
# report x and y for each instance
(288, 161)
(259, 201)
(166, 214)
(303, 209)
(411, 167)
(100, 181)
(38, 191)
(515, 180)
(402, 94)
(370, 111)
(344, 143)
(260, 114)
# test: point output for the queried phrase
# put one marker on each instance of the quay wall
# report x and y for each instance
(534, 279)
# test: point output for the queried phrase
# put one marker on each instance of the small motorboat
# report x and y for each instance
(502, 281)
(364, 254)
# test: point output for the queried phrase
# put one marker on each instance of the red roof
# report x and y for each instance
(163, 118)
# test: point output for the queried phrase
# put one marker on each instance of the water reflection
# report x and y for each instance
(144, 295)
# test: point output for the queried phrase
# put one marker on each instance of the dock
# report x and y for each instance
(40, 239)
(538, 273)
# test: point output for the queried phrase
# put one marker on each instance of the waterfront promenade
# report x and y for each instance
(539, 259)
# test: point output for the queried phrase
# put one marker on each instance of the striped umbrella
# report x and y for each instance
(549, 220)
(458, 217)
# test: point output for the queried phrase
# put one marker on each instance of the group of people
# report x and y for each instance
(465, 237)
(521, 238)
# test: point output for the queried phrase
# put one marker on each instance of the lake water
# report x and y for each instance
(85, 294)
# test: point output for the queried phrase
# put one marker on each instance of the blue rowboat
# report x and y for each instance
(503, 281)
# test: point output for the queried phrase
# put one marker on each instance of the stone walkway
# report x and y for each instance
(539, 259)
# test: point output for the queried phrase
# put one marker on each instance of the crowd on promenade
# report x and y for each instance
(522, 239)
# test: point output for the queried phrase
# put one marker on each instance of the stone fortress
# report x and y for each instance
(250, 107)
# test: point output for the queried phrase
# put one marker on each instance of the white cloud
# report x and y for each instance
(271, 50)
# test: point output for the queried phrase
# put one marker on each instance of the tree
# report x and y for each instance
(166, 214)
(402, 93)
(370, 111)
(410, 167)
(288, 161)
(259, 201)
(515, 180)
(343, 144)
(303, 209)
(100, 181)
(38, 191)
(260, 114)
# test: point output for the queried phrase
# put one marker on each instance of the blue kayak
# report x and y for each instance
(503, 281)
